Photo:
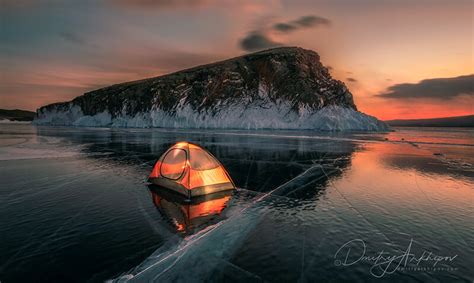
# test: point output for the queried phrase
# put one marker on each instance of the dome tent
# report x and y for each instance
(190, 170)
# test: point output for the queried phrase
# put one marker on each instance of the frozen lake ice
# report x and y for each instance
(310, 206)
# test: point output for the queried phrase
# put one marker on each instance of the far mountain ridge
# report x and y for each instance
(16, 115)
(456, 121)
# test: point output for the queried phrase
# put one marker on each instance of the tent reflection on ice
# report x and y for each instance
(184, 215)
(190, 170)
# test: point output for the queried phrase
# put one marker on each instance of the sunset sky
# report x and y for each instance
(400, 58)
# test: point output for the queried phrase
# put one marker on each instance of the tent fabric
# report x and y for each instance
(173, 164)
(190, 170)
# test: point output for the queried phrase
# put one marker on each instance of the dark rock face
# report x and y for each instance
(286, 79)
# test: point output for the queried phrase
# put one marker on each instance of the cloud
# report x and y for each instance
(438, 88)
(352, 80)
(284, 27)
(165, 4)
(302, 22)
(72, 37)
(257, 40)
(311, 21)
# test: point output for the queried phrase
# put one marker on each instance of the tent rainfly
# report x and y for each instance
(190, 170)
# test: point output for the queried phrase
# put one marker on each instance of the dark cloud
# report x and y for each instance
(311, 21)
(72, 37)
(257, 40)
(284, 27)
(439, 88)
(303, 22)
(352, 80)
(330, 68)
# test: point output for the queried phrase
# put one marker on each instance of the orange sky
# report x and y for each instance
(56, 50)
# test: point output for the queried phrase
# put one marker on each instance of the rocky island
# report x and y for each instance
(280, 88)
(16, 115)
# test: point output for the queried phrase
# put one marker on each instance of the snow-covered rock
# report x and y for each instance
(281, 88)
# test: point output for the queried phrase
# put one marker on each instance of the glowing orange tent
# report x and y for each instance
(190, 170)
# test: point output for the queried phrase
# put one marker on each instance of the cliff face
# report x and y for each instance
(284, 88)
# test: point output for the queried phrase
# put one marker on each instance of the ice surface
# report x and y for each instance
(17, 148)
(6, 121)
(386, 192)
(200, 255)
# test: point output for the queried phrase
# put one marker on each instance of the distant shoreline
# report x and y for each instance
(459, 121)
(16, 115)
(25, 117)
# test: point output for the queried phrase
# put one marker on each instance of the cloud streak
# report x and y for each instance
(284, 27)
(257, 40)
(437, 88)
(72, 37)
(302, 22)
(311, 21)
(161, 4)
